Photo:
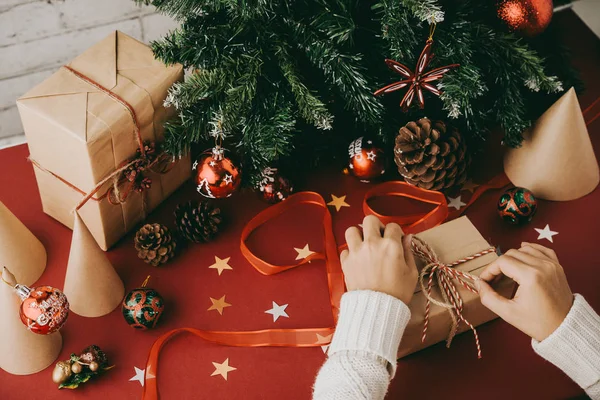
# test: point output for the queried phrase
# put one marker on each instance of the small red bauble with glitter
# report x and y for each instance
(528, 17)
(274, 187)
(367, 159)
(44, 309)
(216, 176)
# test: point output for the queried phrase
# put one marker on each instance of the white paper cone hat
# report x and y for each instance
(22, 352)
(20, 250)
(556, 160)
(92, 285)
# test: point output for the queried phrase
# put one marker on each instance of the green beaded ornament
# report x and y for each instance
(142, 307)
(517, 206)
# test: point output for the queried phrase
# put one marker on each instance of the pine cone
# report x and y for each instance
(430, 155)
(154, 244)
(197, 221)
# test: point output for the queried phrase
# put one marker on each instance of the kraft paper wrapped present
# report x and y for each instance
(452, 241)
(80, 125)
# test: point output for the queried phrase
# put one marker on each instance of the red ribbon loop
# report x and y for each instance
(410, 223)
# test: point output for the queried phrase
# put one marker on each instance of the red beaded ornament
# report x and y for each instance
(44, 309)
(216, 176)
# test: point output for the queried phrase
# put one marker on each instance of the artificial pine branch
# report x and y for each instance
(277, 73)
(310, 107)
(425, 10)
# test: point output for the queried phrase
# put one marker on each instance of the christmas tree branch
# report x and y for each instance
(310, 107)
(341, 70)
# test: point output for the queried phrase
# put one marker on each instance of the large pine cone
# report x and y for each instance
(198, 221)
(431, 155)
(154, 244)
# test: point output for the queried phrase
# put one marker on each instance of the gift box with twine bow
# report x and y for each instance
(445, 303)
(94, 130)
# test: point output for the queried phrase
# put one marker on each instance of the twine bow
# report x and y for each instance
(445, 275)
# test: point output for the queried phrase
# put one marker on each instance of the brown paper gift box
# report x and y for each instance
(451, 241)
(81, 135)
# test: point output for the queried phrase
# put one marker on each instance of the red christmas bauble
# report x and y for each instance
(216, 176)
(273, 187)
(44, 309)
(529, 17)
(367, 159)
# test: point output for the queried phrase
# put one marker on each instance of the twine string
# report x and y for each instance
(146, 281)
(432, 26)
(4, 280)
(445, 275)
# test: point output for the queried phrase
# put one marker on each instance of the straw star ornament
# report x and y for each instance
(418, 80)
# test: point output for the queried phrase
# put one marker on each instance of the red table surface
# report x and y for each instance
(509, 368)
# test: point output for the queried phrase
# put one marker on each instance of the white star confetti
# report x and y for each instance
(277, 311)
(456, 202)
(139, 376)
(546, 233)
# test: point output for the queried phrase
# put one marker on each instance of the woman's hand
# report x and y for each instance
(543, 298)
(380, 259)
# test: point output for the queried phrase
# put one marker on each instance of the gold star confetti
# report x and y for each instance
(303, 252)
(218, 305)
(221, 265)
(325, 341)
(470, 186)
(338, 202)
(222, 369)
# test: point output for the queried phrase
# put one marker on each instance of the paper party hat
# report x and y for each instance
(20, 250)
(22, 352)
(92, 285)
(556, 160)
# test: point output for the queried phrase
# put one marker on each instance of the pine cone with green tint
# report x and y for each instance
(198, 221)
(431, 155)
(154, 244)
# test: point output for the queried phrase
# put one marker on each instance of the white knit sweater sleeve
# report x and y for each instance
(362, 354)
(574, 347)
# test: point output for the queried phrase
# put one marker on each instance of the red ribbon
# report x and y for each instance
(308, 337)
(268, 337)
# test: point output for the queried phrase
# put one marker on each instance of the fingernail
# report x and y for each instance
(524, 244)
(477, 283)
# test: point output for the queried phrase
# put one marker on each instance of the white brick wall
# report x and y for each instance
(38, 36)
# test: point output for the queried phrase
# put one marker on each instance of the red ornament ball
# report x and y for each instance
(274, 187)
(44, 309)
(528, 17)
(216, 176)
(517, 206)
(367, 159)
